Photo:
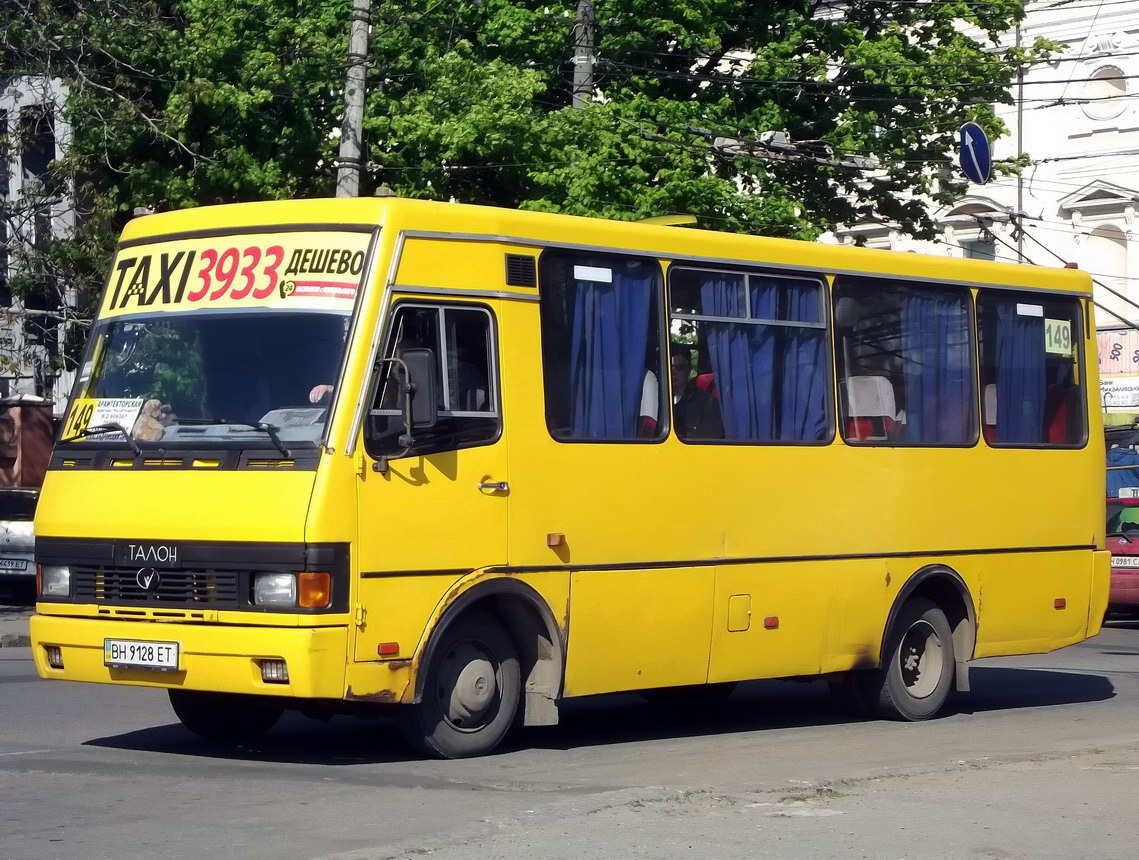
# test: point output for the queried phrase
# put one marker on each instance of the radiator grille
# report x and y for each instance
(117, 585)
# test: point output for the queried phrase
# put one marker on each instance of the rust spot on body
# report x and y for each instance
(385, 697)
(395, 665)
(563, 629)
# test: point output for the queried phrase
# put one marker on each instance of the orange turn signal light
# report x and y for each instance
(314, 589)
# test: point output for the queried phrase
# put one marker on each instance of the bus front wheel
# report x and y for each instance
(917, 665)
(471, 692)
(225, 717)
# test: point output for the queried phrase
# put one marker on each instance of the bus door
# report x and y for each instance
(438, 512)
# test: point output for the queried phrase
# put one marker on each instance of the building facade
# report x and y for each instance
(33, 211)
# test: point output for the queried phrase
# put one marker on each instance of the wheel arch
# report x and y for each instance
(531, 626)
(945, 587)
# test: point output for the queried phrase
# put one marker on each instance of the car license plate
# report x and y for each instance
(1125, 561)
(135, 654)
(13, 564)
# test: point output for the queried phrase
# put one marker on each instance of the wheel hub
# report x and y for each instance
(921, 659)
(470, 687)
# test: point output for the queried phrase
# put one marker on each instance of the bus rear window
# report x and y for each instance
(1030, 379)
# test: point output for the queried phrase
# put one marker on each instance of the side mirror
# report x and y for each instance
(420, 406)
(414, 373)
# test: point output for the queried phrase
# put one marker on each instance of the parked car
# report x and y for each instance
(1123, 517)
(27, 431)
(1123, 541)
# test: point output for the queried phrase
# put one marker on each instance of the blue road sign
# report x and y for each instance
(976, 160)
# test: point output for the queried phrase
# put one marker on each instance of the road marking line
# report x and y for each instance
(25, 752)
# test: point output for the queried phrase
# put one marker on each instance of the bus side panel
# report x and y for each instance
(1017, 611)
(1101, 590)
(797, 618)
(638, 629)
(397, 609)
(408, 609)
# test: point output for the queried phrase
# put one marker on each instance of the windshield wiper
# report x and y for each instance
(269, 429)
(109, 427)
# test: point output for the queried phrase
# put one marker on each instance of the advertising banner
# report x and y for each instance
(295, 270)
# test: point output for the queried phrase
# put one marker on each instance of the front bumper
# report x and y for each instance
(1124, 588)
(213, 658)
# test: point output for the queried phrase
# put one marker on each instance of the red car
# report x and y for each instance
(1123, 541)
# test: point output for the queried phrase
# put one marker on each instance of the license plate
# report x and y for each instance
(13, 564)
(135, 654)
(1125, 561)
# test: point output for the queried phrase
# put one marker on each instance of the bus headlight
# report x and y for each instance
(275, 589)
(55, 580)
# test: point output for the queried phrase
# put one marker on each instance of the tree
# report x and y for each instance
(187, 102)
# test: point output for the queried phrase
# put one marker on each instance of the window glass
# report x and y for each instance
(905, 362)
(979, 249)
(197, 379)
(465, 375)
(1030, 373)
(601, 339)
(762, 378)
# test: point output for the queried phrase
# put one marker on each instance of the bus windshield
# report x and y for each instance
(204, 378)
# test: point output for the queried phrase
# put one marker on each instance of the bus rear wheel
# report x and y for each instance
(917, 666)
(470, 694)
(225, 717)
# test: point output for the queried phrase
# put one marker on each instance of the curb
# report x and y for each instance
(15, 640)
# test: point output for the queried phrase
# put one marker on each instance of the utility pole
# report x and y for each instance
(1019, 150)
(351, 135)
(583, 59)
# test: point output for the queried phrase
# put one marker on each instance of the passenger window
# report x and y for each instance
(905, 363)
(601, 346)
(1030, 369)
(749, 357)
(462, 339)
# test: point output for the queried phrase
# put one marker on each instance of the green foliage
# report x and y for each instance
(177, 103)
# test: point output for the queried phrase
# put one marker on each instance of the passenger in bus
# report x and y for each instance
(695, 406)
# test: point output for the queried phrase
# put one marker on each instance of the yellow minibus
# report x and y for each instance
(463, 463)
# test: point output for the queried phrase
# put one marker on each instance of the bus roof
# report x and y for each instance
(521, 227)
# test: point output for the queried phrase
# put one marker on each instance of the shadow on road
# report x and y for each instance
(620, 718)
(296, 739)
(761, 705)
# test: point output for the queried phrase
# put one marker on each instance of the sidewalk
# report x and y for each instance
(14, 626)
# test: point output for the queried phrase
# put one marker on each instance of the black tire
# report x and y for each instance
(691, 697)
(225, 717)
(470, 694)
(917, 669)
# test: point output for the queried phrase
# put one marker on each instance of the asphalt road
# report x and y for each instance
(1040, 760)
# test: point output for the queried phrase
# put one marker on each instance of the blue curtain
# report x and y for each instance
(1021, 383)
(770, 379)
(730, 352)
(803, 414)
(938, 377)
(609, 336)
